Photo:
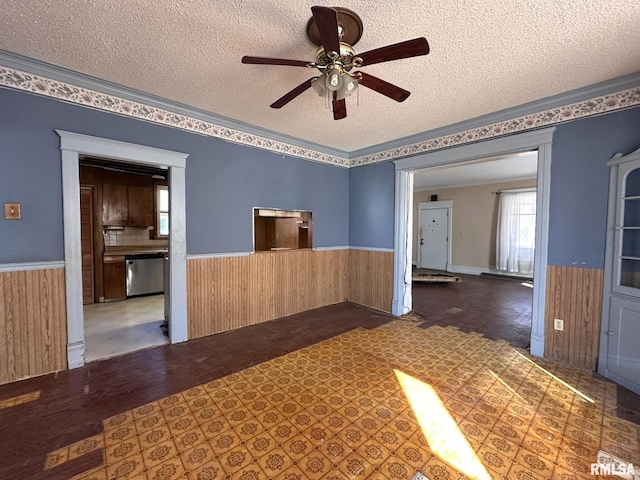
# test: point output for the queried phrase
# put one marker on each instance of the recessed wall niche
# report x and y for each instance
(276, 230)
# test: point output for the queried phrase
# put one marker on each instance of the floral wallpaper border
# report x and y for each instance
(19, 80)
(594, 106)
(24, 81)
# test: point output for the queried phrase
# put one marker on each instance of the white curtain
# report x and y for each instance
(516, 232)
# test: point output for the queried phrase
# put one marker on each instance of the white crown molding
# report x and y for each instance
(159, 111)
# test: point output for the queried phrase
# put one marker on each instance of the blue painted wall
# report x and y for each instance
(223, 180)
(580, 185)
(371, 205)
(579, 190)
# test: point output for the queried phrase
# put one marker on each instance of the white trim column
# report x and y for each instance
(543, 187)
(72, 257)
(402, 244)
(178, 328)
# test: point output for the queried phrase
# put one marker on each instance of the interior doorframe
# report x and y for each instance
(540, 140)
(448, 204)
(75, 145)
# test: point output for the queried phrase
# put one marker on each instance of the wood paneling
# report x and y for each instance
(575, 296)
(233, 292)
(86, 236)
(371, 278)
(33, 326)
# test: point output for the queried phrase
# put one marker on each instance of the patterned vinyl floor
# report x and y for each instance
(378, 404)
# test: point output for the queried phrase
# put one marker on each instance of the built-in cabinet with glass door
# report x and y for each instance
(620, 332)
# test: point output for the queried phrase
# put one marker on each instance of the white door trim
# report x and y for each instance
(539, 140)
(74, 145)
(448, 204)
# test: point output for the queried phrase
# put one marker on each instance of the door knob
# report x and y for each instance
(610, 332)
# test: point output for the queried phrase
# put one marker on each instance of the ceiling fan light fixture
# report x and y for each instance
(334, 79)
(318, 85)
(349, 85)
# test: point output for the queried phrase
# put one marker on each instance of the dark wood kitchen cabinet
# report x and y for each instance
(140, 206)
(115, 287)
(127, 206)
(115, 205)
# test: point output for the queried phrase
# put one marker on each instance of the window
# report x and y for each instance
(516, 232)
(162, 202)
(276, 230)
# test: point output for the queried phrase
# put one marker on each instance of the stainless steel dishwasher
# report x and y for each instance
(145, 274)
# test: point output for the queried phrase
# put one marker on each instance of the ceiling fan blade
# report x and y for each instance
(385, 88)
(274, 61)
(287, 97)
(409, 48)
(327, 21)
(339, 107)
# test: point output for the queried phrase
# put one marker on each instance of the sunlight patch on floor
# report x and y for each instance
(439, 429)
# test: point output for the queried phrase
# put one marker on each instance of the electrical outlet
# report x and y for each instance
(558, 324)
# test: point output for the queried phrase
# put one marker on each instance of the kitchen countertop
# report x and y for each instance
(134, 250)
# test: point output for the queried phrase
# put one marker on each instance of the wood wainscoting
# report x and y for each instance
(371, 278)
(574, 295)
(232, 292)
(33, 325)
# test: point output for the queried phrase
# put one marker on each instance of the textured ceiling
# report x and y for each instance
(485, 56)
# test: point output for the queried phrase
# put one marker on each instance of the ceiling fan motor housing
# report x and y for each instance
(349, 25)
(346, 59)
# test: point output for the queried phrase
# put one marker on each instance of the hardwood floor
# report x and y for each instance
(497, 308)
(314, 373)
(73, 403)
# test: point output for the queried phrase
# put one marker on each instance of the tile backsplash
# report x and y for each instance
(132, 236)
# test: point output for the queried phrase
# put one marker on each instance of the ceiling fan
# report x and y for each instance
(335, 31)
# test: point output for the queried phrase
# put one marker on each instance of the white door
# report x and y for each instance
(623, 359)
(434, 233)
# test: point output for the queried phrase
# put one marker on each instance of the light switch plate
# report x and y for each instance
(12, 211)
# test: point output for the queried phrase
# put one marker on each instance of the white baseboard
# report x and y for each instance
(467, 270)
(479, 271)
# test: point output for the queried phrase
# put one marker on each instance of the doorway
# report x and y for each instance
(125, 239)
(486, 297)
(540, 141)
(74, 146)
